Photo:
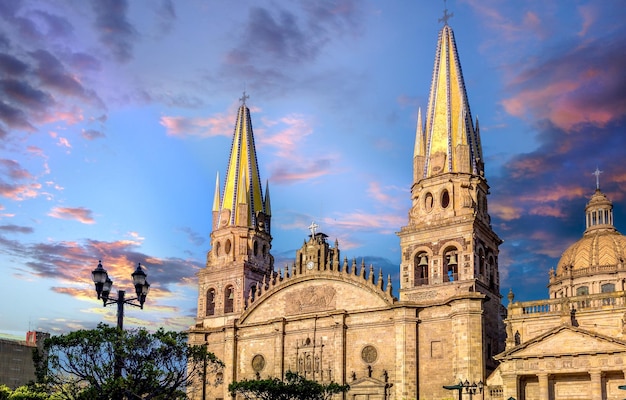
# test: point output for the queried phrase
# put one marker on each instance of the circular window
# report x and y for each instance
(369, 354)
(445, 199)
(428, 201)
(258, 363)
(227, 246)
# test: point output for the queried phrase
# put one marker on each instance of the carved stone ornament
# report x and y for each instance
(258, 363)
(369, 354)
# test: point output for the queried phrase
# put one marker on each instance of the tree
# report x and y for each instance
(294, 387)
(31, 391)
(107, 363)
(5, 392)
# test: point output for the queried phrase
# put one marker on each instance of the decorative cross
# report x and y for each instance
(313, 227)
(244, 98)
(446, 16)
(597, 173)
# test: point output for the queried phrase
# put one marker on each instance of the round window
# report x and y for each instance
(227, 247)
(369, 354)
(445, 199)
(258, 363)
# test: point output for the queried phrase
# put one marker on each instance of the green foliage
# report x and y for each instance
(294, 387)
(5, 392)
(105, 363)
(29, 392)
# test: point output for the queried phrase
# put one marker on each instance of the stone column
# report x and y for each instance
(596, 385)
(509, 386)
(544, 392)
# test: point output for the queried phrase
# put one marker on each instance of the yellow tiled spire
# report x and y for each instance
(451, 141)
(243, 196)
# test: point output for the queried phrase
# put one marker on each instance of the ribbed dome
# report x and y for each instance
(601, 245)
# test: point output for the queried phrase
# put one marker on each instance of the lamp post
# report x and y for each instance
(470, 388)
(103, 289)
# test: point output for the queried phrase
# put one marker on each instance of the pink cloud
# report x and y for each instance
(589, 15)
(80, 214)
(218, 125)
(286, 139)
(19, 192)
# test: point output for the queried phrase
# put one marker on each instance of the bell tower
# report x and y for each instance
(241, 240)
(448, 247)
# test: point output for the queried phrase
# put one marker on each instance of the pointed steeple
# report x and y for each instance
(451, 141)
(243, 196)
(216, 196)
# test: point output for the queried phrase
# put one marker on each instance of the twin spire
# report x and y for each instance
(448, 141)
(242, 198)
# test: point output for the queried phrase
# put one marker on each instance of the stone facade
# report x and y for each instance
(337, 320)
(573, 345)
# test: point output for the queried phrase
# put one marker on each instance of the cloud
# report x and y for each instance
(71, 262)
(11, 66)
(288, 173)
(11, 186)
(193, 236)
(116, 33)
(580, 85)
(218, 125)
(80, 214)
(92, 134)
(288, 139)
(22, 93)
(284, 34)
(16, 229)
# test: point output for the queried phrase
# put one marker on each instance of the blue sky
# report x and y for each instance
(116, 116)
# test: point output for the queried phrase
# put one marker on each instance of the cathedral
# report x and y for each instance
(331, 319)
(572, 345)
(447, 334)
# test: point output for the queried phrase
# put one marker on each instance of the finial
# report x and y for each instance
(446, 16)
(243, 98)
(597, 173)
(313, 227)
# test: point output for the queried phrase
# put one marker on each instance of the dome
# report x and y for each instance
(599, 248)
(601, 245)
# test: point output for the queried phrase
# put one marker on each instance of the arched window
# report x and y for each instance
(492, 273)
(451, 265)
(582, 291)
(210, 302)
(481, 262)
(229, 299)
(608, 288)
(421, 269)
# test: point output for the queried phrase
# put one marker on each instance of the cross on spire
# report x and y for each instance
(446, 16)
(313, 227)
(597, 173)
(243, 98)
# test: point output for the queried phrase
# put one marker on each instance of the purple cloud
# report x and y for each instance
(116, 33)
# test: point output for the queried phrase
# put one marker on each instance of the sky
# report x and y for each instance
(116, 116)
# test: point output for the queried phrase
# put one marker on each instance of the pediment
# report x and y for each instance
(566, 340)
(369, 386)
(316, 294)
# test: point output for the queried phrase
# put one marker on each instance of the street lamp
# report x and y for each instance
(470, 388)
(103, 289)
